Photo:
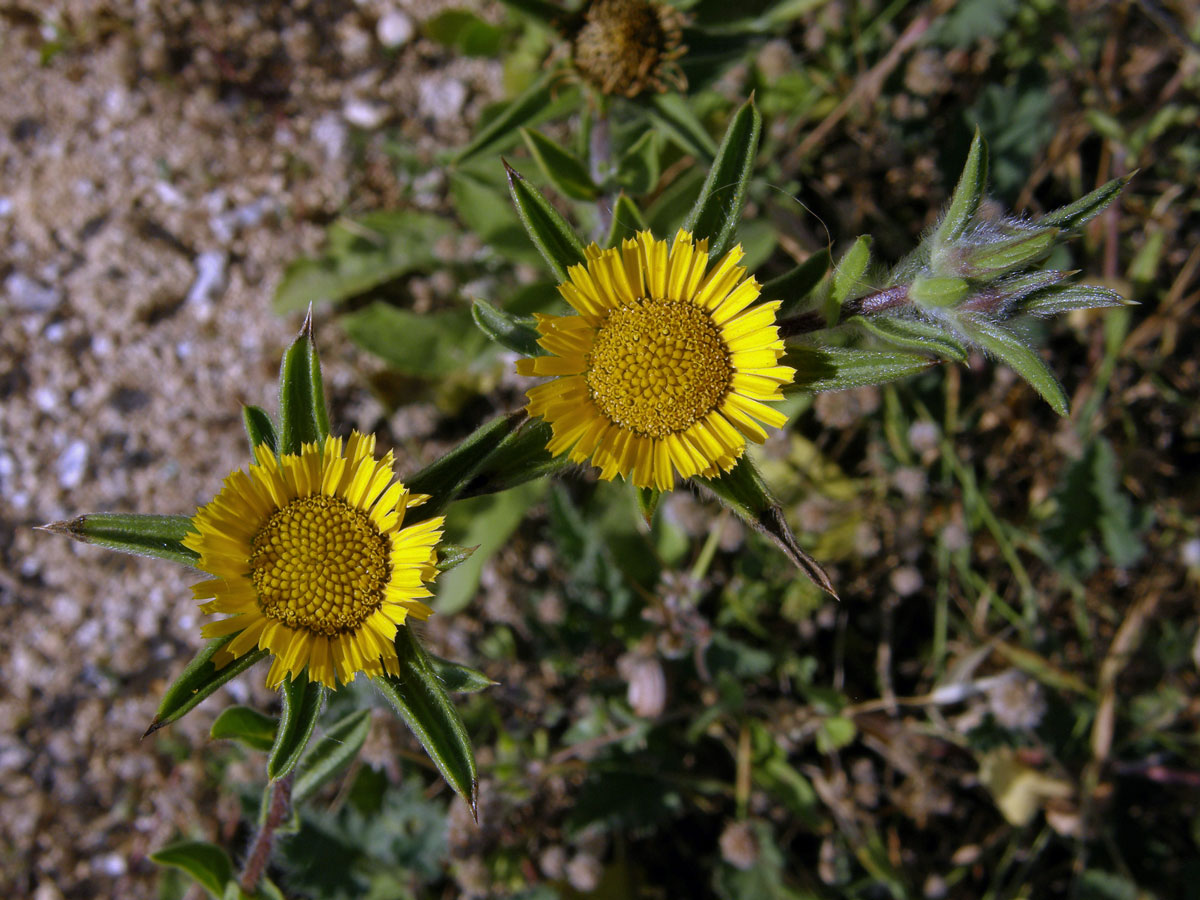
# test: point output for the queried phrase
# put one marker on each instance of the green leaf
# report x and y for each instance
(444, 478)
(848, 276)
(520, 457)
(566, 171)
(839, 368)
(532, 106)
(674, 116)
(627, 220)
(1010, 349)
(743, 490)
(259, 429)
(1086, 208)
(965, 200)
(423, 345)
(638, 167)
(334, 751)
(547, 14)
(362, 254)
(199, 680)
(418, 697)
(458, 678)
(302, 702)
(673, 203)
(303, 418)
(937, 292)
(160, 537)
(718, 209)
(1018, 252)
(647, 500)
(1060, 299)
(450, 556)
(549, 231)
(835, 733)
(792, 288)
(207, 864)
(517, 333)
(241, 723)
(465, 32)
(913, 334)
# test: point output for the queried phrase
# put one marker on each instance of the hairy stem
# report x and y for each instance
(811, 321)
(600, 158)
(260, 850)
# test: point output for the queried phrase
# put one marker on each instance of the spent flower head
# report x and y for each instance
(628, 47)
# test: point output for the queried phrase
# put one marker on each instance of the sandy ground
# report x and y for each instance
(160, 162)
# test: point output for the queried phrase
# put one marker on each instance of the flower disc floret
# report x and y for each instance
(311, 561)
(667, 367)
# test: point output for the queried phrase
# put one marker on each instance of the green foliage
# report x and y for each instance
(303, 418)
(160, 537)
(246, 725)
(303, 701)
(199, 680)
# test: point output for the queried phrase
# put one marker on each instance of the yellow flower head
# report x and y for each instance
(626, 47)
(666, 367)
(309, 558)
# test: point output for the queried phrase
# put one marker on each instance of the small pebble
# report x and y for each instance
(72, 464)
(394, 29)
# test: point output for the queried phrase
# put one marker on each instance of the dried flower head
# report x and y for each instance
(627, 47)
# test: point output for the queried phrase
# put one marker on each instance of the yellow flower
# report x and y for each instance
(311, 561)
(666, 367)
(626, 47)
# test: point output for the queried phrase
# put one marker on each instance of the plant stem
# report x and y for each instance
(600, 159)
(811, 321)
(260, 850)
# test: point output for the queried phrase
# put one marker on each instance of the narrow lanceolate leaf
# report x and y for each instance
(332, 753)
(1057, 300)
(302, 702)
(674, 116)
(199, 681)
(517, 333)
(443, 479)
(627, 220)
(839, 368)
(459, 679)
(421, 701)
(848, 278)
(638, 167)
(913, 334)
(965, 200)
(259, 429)
(718, 209)
(566, 171)
(1023, 359)
(248, 726)
(451, 556)
(647, 500)
(520, 457)
(743, 490)
(793, 288)
(1011, 254)
(524, 110)
(549, 231)
(207, 864)
(142, 535)
(303, 418)
(1085, 208)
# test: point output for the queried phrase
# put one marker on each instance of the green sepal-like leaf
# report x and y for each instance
(524, 110)
(937, 291)
(638, 167)
(674, 115)
(793, 288)
(718, 209)
(199, 680)
(540, 11)
(627, 220)
(334, 751)
(1061, 299)
(743, 490)
(1075, 214)
(562, 168)
(444, 478)
(520, 457)
(303, 418)
(259, 429)
(207, 864)
(1023, 359)
(419, 698)
(964, 202)
(647, 500)
(549, 231)
(848, 276)
(1011, 254)
(160, 537)
(517, 333)
(450, 556)
(913, 334)
(459, 679)
(839, 368)
(241, 723)
(302, 703)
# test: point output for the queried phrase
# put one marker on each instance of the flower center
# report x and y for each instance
(620, 45)
(658, 366)
(321, 565)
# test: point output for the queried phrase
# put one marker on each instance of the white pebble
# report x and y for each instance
(364, 114)
(45, 399)
(72, 464)
(442, 99)
(210, 277)
(1190, 552)
(25, 293)
(394, 29)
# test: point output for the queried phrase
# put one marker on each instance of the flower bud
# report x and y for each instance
(932, 291)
